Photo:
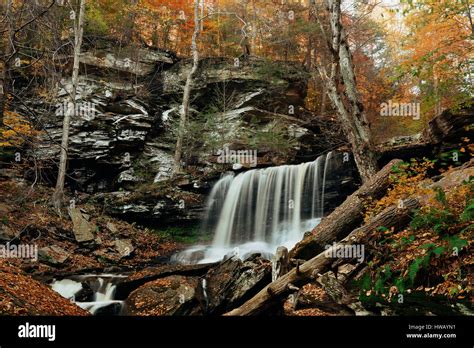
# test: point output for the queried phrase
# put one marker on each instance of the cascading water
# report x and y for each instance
(261, 209)
(102, 285)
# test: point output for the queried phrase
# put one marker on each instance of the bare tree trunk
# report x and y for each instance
(347, 101)
(187, 92)
(58, 195)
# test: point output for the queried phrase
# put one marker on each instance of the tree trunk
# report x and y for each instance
(184, 114)
(347, 101)
(308, 271)
(58, 195)
(342, 220)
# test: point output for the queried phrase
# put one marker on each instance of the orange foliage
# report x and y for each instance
(16, 130)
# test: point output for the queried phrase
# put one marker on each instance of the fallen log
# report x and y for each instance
(392, 216)
(342, 220)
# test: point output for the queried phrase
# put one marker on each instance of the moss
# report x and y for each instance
(184, 235)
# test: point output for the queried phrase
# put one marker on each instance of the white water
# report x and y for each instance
(67, 288)
(259, 210)
(103, 293)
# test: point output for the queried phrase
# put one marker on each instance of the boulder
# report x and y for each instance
(86, 294)
(112, 309)
(233, 281)
(173, 295)
(53, 255)
(83, 229)
(124, 247)
(138, 279)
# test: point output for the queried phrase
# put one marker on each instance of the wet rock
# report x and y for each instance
(233, 281)
(174, 295)
(53, 255)
(86, 294)
(109, 310)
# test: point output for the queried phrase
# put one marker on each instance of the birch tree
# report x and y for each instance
(184, 111)
(342, 91)
(58, 195)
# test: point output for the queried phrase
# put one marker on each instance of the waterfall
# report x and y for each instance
(261, 209)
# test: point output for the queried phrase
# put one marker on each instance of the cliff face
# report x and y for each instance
(123, 134)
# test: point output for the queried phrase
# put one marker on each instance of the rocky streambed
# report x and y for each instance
(169, 289)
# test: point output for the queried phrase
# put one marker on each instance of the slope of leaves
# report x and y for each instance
(433, 254)
(22, 295)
